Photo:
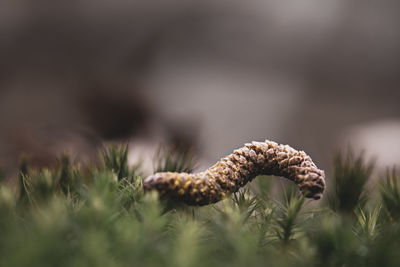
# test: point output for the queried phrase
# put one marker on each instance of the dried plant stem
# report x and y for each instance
(234, 171)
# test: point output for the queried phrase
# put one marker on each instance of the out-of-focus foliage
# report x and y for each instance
(2, 174)
(390, 192)
(174, 158)
(351, 173)
(97, 215)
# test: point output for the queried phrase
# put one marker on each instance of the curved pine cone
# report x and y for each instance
(236, 170)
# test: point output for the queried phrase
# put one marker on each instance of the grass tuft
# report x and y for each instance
(351, 173)
(174, 159)
(390, 194)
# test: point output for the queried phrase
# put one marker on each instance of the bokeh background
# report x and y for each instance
(318, 75)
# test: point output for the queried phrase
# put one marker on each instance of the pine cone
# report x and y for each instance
(236, 170)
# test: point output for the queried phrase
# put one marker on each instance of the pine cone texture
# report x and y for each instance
(236, 170)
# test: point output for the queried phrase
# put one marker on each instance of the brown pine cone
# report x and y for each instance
(236, 170)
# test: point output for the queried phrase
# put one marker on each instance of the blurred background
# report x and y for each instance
(318, 75)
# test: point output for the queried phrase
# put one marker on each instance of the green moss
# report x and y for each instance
(98, 215)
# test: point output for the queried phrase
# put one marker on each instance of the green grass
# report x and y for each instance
(97, 215)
